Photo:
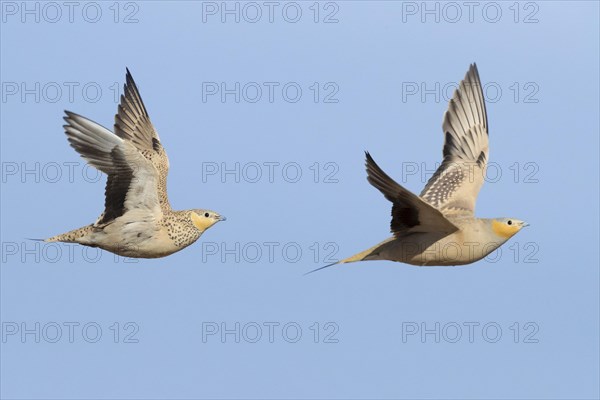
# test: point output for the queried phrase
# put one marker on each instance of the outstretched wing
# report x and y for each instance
(133, 124)
(409, 212)
(454, 187)
(132, 179)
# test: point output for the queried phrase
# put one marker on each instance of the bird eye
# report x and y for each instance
(206, 215)
(509, 222)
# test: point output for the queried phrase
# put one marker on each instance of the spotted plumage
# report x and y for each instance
(439, 227)
(137, 220)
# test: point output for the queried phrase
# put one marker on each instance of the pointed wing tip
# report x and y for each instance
(129, 81)
(372, 168)
(70, 117)
(473, 72)
(369, 161)
(131, 93)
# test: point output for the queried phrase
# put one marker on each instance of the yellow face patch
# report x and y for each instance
(503, 229)
(202, 223)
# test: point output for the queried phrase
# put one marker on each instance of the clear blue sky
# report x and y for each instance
(380, 76)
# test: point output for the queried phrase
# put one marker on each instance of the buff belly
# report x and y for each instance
(132, 239)
(427, 249)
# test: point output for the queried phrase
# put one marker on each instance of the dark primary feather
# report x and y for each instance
(117, 186)
(132, 121)
(409, 212)
(96, 145)
(133, 124)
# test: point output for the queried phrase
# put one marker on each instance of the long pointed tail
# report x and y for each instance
(73, 236)
(320, 268)
(357, 257)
